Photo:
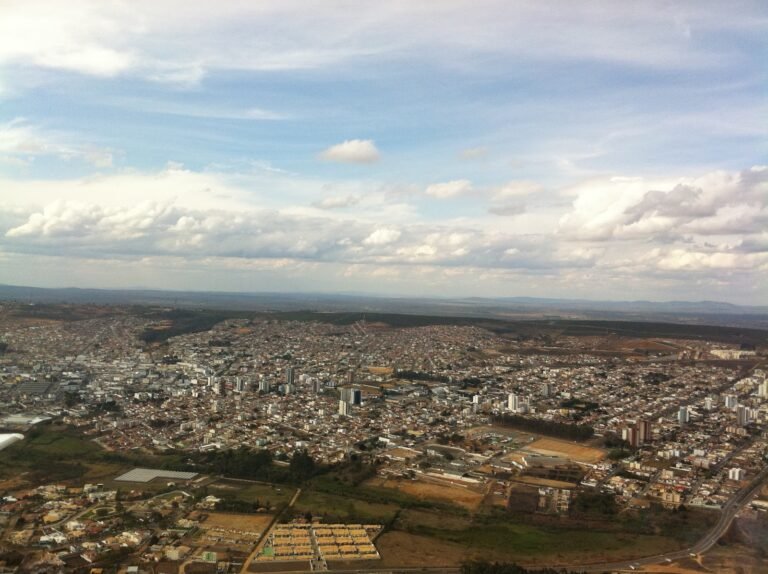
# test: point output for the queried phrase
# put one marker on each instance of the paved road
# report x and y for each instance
(729, 512)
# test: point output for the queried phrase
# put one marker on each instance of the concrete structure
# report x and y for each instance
(150, 474)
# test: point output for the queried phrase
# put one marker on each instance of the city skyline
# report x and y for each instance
(590, 151)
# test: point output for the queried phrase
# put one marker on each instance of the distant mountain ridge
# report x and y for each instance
(698, 312)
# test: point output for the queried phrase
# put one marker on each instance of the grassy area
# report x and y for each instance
(265, 493)
(58, 442)
(344, 508)
(506, 541)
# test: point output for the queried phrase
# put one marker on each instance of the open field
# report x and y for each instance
(262, 492)
(402, 549)
(432, 490)
(345, 509)
(525, 543)
(537, 481)
(253, 522)
(566, 449)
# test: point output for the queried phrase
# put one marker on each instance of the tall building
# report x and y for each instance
(762, 389)
(240, 384)
(546, 389)
(264, 386)
(290, 376)
(683, 416)
(513, 402)
(343, 408)
(630, 435)
(731, 401)
(317, 385)
(644, 431)
(709, 403)
(351, 396)
(742, 415)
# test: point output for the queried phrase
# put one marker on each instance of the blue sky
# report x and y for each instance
(592, 149)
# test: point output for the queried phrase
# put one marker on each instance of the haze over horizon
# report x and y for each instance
(549, 149)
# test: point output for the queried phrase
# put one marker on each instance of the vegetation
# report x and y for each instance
(569, 431)
(485, 567)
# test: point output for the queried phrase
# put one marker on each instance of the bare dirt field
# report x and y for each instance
(536, 481)
(435, 489)
(251, 522)
(403, 549)
(572, 451)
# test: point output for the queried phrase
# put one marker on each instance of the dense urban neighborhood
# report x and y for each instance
(159, 440)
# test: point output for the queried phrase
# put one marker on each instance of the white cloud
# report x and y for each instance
(382, 236)
(337, 202)
(21, 142)
(180, 214)
(166, 41)
(352, 151)
(449, 189)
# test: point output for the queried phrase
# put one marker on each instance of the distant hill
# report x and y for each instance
(519, 308)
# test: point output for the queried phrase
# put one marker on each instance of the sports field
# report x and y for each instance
(566, 449)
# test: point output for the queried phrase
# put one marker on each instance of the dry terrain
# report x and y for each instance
(565, 449)
(252, 522)
(435, 489)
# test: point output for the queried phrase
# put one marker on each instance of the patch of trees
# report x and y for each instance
(579, 405)
(485, 567)
(612, 440)
(593, 502)
(551, 428)
(256, 465)
(454, 438)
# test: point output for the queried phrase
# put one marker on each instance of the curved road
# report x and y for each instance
(729, 512)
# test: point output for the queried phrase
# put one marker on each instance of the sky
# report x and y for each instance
(596, 150)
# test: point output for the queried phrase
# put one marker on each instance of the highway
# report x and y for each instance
(728, 513)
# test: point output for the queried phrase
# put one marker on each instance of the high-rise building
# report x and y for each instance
(343, 408)
(317, 385)
(240, 384)
(683, 416)
(630, 435)
(762, 389)
(742, 415)
(264, 386)
(644, 431)
(709, 403)
(731, 401)
(546, 389)
(290, 376)
(513, 402)
(351, 396)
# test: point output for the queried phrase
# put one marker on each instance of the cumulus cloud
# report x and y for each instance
(352, 151)
(449, 189)
(181, 214)
(715, 203)
(382, 236)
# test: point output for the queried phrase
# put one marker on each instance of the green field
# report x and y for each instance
(265, 493)
(344, 508)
